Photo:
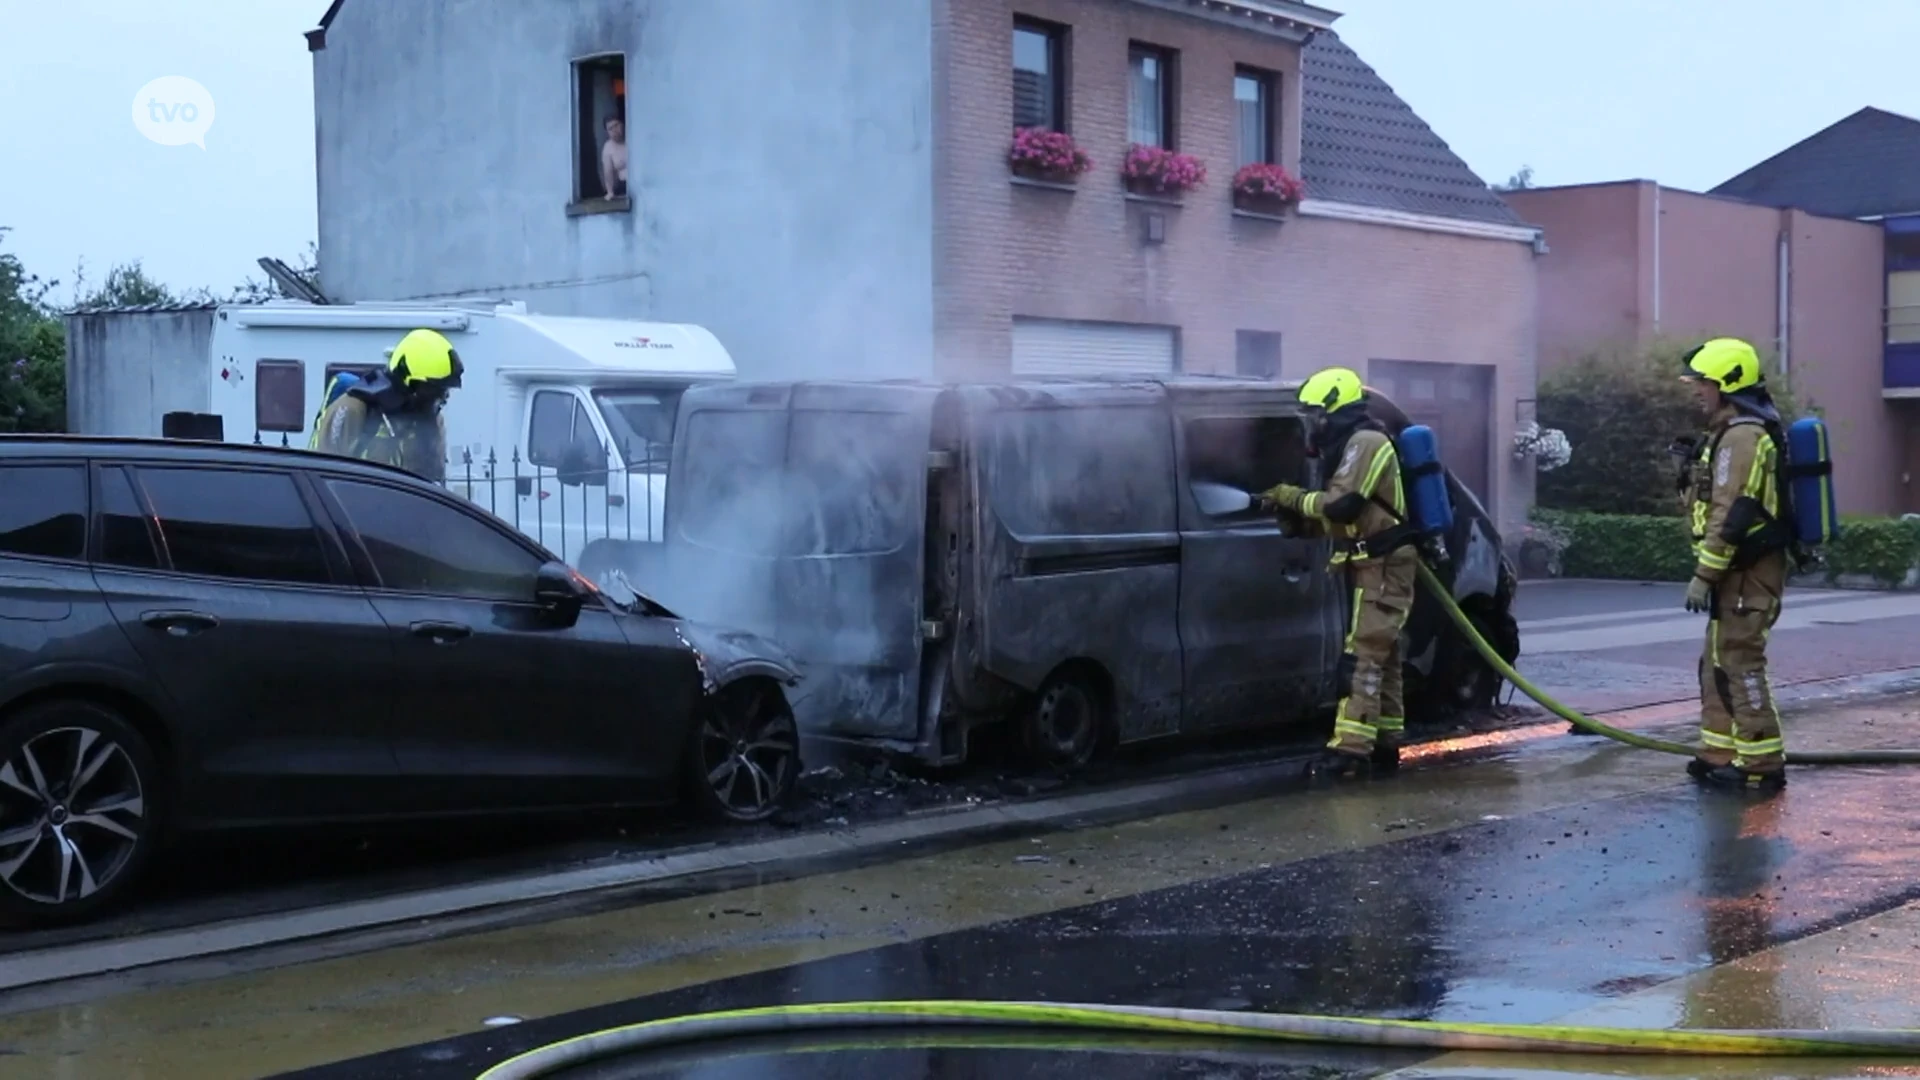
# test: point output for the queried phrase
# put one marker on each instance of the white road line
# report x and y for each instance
(1681, 626)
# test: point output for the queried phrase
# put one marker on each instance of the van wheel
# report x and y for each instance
(743, 759)
(1477, 685)
(79, 811)
(1066, 722)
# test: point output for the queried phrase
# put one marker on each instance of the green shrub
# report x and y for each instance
(1648, 548)
(1884, 549)
(1637, 547)
(1620, 411)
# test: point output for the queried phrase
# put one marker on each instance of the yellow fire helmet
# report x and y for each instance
(425, 356)
(1728, 363)
(1332, 389)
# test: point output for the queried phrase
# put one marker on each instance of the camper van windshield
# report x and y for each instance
(641, 424)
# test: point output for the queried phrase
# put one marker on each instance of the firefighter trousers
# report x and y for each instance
(1371, 705)
(1739, 723)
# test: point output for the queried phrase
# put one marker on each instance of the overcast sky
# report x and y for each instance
(1688, 92)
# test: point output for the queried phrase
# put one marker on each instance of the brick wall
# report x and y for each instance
(1338, 292)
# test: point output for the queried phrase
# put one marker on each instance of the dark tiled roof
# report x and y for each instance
(1865, 165)
(1359, 143)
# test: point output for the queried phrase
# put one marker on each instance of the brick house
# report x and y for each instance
(1813, 255)
(826, 187)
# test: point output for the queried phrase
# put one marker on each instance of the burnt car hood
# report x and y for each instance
(727, 655)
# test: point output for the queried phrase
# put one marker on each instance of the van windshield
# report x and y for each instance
(641, 425)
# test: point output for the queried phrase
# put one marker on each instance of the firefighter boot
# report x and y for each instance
(1336, 765)
(1731, 778)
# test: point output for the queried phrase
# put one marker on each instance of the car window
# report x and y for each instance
(124, 537)
(419, 544)
(230, 523)
(44, 511)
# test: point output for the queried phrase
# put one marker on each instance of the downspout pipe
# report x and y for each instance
(1656, 258)
(1783, 303)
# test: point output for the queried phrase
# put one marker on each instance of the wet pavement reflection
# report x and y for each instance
(1522, 921)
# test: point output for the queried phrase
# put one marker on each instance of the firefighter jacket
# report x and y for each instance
(357, 426)
(1735, 510)
(1355, 505)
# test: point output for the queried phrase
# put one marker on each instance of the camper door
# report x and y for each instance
(561, 482)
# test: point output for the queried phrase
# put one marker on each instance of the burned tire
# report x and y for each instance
(80, 802)
(1472, 683)
(1066, 723)
(743, 759)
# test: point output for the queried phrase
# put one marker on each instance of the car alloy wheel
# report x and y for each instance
(73, 815)
(749, 753)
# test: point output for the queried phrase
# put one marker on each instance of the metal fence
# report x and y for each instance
(565, 508)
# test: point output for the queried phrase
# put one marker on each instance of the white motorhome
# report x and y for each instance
(561, 425)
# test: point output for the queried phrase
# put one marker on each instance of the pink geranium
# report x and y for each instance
(1268, 183)
(1162, 171)
(1053, 155)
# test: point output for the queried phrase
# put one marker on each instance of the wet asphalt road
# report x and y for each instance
(1547, 880)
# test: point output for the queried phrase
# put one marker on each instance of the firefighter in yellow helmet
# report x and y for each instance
(394, 416)
(1364, 511)
(1740, 571)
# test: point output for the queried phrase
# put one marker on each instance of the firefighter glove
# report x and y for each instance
(1699, 595)
(1284, 496)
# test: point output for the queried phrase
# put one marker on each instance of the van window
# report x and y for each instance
(641, 424)
(560, 426)
(852, 473)
(1089, 471)
(1251, 453)
(820, 483)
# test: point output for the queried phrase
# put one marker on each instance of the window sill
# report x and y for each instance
(1043, 185)
(1154, 200)
(1255, 215)
(583, 207)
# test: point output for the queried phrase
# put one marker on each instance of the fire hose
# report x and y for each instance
(1119, 1020)
(1115, 1021)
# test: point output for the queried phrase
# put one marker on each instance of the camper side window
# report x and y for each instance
(280, 395)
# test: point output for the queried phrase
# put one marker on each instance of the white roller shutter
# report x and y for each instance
(1060, 347)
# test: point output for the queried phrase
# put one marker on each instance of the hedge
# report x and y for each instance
(1647, 548)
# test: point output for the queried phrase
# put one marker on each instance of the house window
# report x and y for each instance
(1256, 353)
(600, 128)
(1150, 96)
(280, 395)
(1039, 75)
(1253, 114)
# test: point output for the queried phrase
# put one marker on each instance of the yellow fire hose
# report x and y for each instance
(1493, 658)
(1189, 1023)
(1128, 1020)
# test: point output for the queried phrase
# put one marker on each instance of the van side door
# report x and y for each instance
(1259, 614)
(1080, 549)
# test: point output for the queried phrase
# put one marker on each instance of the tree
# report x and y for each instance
(1620, 410)
(1519, 181)
(33, 352)
(126, 285)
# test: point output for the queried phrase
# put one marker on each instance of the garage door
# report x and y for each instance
(1455, 400)
(1061, 347)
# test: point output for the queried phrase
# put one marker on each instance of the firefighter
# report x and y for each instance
(1741, 543)
(394, 416)
(1364, 511)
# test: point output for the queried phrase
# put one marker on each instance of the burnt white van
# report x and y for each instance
(939, 557)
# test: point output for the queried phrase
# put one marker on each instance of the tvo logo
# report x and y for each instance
(173, 110)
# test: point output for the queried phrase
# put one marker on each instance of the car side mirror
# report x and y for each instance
(559, 592)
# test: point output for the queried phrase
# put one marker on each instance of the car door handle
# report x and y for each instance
(440, 633)
(179, 623)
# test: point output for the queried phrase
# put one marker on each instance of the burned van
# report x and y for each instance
(1049, 552)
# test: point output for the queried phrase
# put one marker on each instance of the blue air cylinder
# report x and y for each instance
(1810, 480)
(1428, 504)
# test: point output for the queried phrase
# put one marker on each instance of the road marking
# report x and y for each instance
(1681, 626)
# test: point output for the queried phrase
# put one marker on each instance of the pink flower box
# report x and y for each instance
(1040, 154)
(1156, 170)
(1267, 188)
